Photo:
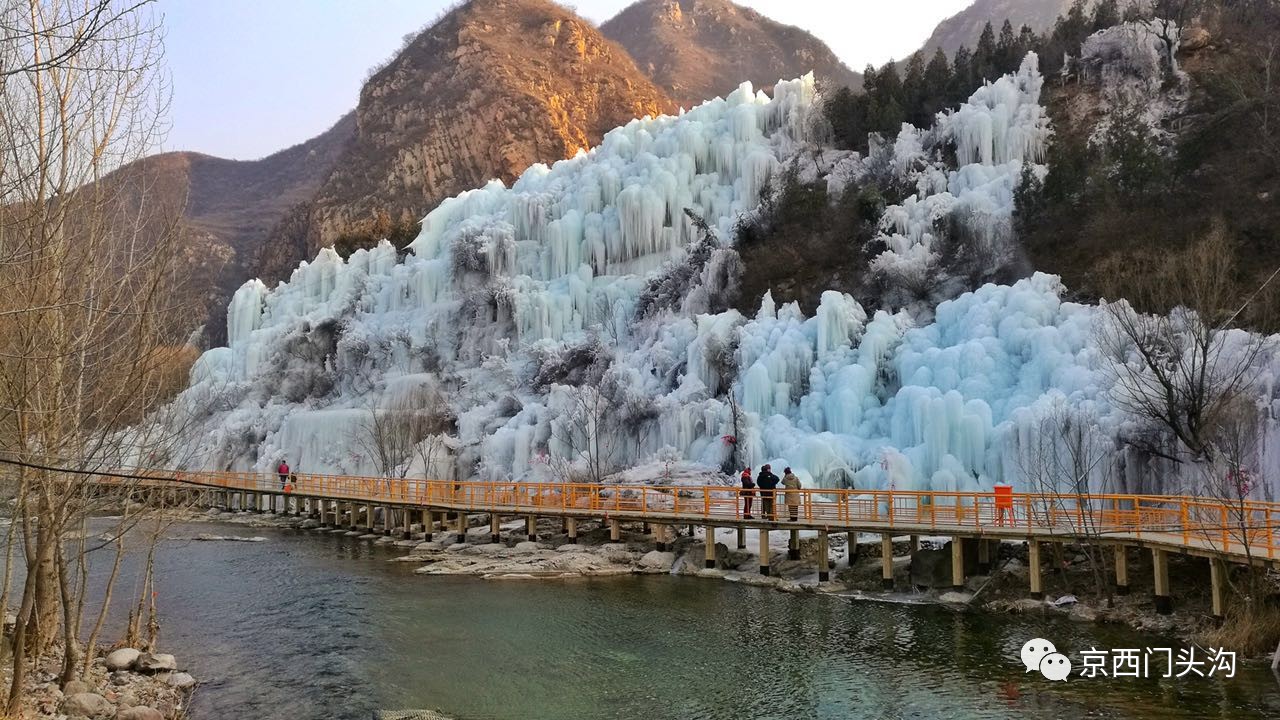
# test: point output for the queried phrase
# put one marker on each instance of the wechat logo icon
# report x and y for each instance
(1041, 655)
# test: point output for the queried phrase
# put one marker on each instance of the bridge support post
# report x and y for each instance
(824, 562)
(406, 523)
(428, 525)
(915, 544)
(984, 556)
(571, 529)
(886, 562)
(793, 545)
(388, 520)
(271, 503)
(615, 530)
(957, 562)
(742, 538)
(1217, 569)
(531, 527)
(462, 527)
(495, 528)
(353, 517)
(709, 541)
(660, 537)
(764, 551)
(1033, 567)
(1122, 570)
(1160, 566)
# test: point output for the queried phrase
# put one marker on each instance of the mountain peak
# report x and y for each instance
(493, 87)
(699, 49)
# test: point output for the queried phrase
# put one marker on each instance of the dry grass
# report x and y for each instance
(1251, 628)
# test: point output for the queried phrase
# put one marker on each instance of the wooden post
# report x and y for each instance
(531, 527)
(764, 551)
(1122, 570)
(462, 527)
(742, 538)
(793, 545)
(984, 556)
(957, 563)
(428, 524)
(660, 537)
(388, 520)
(915, 544)
(406, 517)
(710, 542)
(571, 529)
(824, 563)
(886, 562)
(615, 530)
(1216, 571)
(495, 528)
(1033, 567)
(1160, 567)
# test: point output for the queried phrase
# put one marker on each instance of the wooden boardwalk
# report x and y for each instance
(1222, 530)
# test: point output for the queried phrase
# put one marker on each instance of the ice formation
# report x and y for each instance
(519, 305)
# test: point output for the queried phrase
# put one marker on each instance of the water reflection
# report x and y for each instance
(316, 626)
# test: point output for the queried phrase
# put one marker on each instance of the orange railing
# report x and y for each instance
(1228, 526)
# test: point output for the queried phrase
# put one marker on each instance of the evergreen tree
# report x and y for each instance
(937, 83)
(870, 76)
(891, 118)
(1007, 58)
(984, 57)
(913, 92)
(1106, 14)
(962, 82)
(889, 83)
(1027, 42)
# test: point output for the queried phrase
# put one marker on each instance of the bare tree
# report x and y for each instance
(413, 427)
(1057, 459)
(1182, 371)
(586, 435)
(89, 325)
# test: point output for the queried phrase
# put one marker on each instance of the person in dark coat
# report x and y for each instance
(767, 482)
(748, 493)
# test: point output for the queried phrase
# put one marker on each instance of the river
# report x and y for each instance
(308, 625)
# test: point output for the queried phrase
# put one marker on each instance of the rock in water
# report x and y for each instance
(155, 662)
(141, 712)
(122, 659)
(181, 680)
(87, 705)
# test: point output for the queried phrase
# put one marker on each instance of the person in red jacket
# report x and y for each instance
(283, 469)
(748, 493)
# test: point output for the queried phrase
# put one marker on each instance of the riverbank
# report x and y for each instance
(1069, 585)
(124, 684)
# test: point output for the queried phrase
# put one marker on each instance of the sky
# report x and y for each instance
(251, 77)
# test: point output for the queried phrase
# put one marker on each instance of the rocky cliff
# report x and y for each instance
(492, 88)
(965, 27)
(699, 49)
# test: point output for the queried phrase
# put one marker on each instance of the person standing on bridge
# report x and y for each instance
(767, 482)
(793, 494)
(748, 493)
(283, 469)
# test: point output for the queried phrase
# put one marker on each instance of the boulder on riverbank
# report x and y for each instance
(122, 659)
(87, 705)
